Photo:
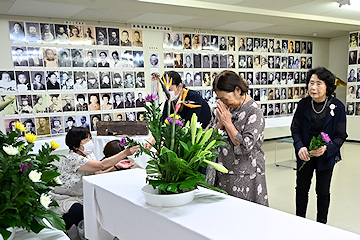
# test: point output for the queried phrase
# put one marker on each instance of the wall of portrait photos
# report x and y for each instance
(75, 75)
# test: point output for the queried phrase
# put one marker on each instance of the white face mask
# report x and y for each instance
(88, 148)
(173, 97)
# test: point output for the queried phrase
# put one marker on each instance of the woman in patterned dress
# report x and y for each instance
(243, 122)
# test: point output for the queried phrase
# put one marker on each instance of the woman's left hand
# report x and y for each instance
(318, 152)
(125, 164)
(223, 114)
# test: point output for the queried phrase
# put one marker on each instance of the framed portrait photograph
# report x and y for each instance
(139, 79)
(10, 124)
(47, 32)
(231, 43)
(69, 122)
(114, 37)
(32, 31)
(89, 35)
(129, 100)
(80, 81)
(167, 41)
(83, 121)
(94, 101)
(19, 56)
(138, 59)
(139, 102)
(68, 102)
(7, 81)
(25, 105)
(103, 59)
(168, 60)
(66, 80)
(94, 119)
(117, 80)
(119, 116)
(127, 59)
(38, 80)
(126, 37)
(106, 102)
(81, 102)
(92, 80)
(130, 116)
(101, 36)
(29, 124)
(54, 101)
(118, 101)
(75, 34)
(57, 125)
(242, 61)
(187, 41)
(40, 103)
(90, 58)
(137, 38)
(62, 33)
(115, 61)
(105, 80)
(177, 41)
(154, 59)
(52, 80)
(64, 57)
(50, 57)
(23, 81)
(196, 42)
(35, 57)
(128, 79)
(17, 31)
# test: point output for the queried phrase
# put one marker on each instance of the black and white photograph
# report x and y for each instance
(277, 77)
(40, 103)
(290, 78)
(271, 62)
(214, 43)
(154, 59)
(277, 93)
(256, 78)
(206, 42)
(270, 78)
(12, 108)
(168, 60)
(350, 107)
(127, 59)
(54, 101)
(297, 47)
(25, 104)
(52, 80)
(117, 80)
(263, 79)
(352, 57)
(137, 39)
(358, 92)
(92, 80)
(19, 56)
(250, 60)
(223, 43)
(223, 61)
(77, 57)
(257, 45)
(23, 81)
(125, 37)
(256, 64)
(309, 48)
(277, 45)
(206, 79)
(263, 94)
(32, 31)
(196, 42)
(187, 41)
(264, 45)
(303, 47)
(138, 59)
(64, 57)
(105, 80)
(139, 80)
(118, 102)
(242, 46)
(50, 57)
(101, 36)
(7, 81)
(309, 63)
(264, 62)
(83, 121)
(177, 41)
(206, 60)
(94, 119)
(42, 125)
(206, 94)
(256, 96)
(284, 44)
(61, 33)
(130, 116)
(271, 46)
(290, 106)
(129, 100)
(38, 80)
(66, 80)
(106, 102)
(114, 36)
(231, 61)
(284, 63)
(188, 60)
(357, 109)
(89, 35)
(264, 109)
(283, 93)
(214, 60)
(75, 34)
(197, 60)
(303, 63)
(139, 102)
(242, 61)
(68, 102)
(81, 103)
(249, 78)
(188, 81)
(178, 60)
(17, 31)
(69, 122)
(57, 125)
(197, 79)
(29, 124)
(103, 59)
(128, 79)
(290, 93)
(167, 41)
(270, 109)
(47, 32)
(353, 39)
(249, 44)
(90, 58)
(283, 80)
(80, 81)
(277, 62)
(35, 57)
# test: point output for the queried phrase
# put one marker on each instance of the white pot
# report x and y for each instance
(153, 197)
(12, 230)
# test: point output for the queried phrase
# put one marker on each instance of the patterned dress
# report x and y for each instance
(246, 161)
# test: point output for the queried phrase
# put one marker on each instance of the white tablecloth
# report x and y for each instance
(115, 203)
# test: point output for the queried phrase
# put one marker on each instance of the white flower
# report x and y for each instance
(57, 180)
(252, 118)
(10, 150)
(222, 132)
(225, 151)
(246, 139)
(35, 176)
(198, 125)
(255, 131)
(234, 188)
(45, 200)
(259, 189)
(241, 116)
(253, 162)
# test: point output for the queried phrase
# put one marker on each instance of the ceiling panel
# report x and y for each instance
(242, 26)
(106, 15)
(271, 5)
(156, 18)
(201, 23)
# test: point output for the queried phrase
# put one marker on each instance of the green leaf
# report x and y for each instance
(199, 134)
(55, 220)
(48, 175)
(184, 145)
(193, 128)
(206, 137)
(5, 233)
(217, 166)
(204, 153)
(210, 145)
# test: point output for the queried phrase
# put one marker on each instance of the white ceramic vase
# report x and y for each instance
(153, 197)
(12, 230)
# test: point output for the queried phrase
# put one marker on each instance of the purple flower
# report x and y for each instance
(150, 97)
(24, 167)
(325, 137)
(122, 142)
(177, 121)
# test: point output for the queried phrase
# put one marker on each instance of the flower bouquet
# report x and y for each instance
(181, 148)
(25, 181)
(317, 143)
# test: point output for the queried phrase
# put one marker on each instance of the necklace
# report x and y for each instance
(243, 101)
(312, 104)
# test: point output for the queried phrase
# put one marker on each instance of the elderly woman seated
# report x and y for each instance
(81, 161)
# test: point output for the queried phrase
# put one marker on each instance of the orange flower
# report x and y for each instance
(167, 84)
(189, 104)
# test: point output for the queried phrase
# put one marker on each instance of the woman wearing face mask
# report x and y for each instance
(81, 161)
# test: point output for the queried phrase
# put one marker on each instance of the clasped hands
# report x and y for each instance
(223, 114)
(305, 155)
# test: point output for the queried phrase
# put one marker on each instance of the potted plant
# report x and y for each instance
(180, 148)
(25, 181)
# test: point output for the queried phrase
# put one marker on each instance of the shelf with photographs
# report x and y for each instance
(67, 75)
(353, 85)
(274, 68)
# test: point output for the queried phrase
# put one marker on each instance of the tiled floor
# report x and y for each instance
(344, 210)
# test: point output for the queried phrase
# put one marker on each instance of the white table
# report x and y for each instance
(114, 202)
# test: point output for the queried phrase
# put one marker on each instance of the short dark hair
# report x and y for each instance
(106, 95)
(80, 96)
(228, 80)
(112, 148)
(75, 136)
(176, 79)
(324, 75)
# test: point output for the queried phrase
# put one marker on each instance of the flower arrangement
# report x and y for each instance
(181, 148)
(25, 181)
(317, 143)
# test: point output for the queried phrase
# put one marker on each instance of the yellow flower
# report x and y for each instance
(20, 126)
(54, 145)
(30, 137)
(171, 116)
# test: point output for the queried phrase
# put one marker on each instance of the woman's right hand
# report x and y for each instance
(304, 154)
(132, 150)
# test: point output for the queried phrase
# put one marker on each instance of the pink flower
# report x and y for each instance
(325, 137)
(122, 142)
(252, 119)
(177, 107)
(150, 97)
